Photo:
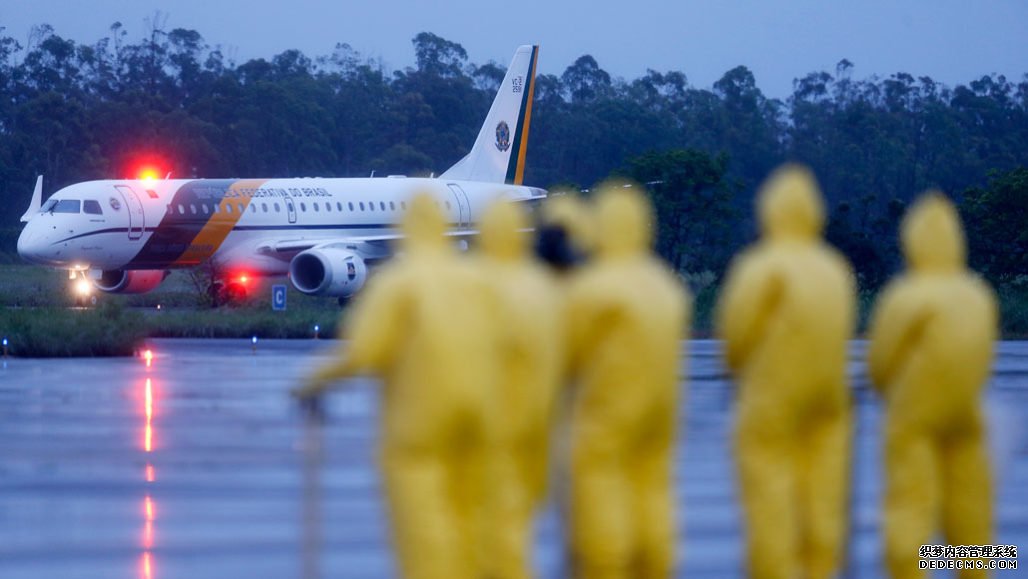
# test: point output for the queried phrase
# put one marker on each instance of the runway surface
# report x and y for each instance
(201, 466)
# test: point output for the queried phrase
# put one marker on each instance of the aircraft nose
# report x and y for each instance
(31, 244)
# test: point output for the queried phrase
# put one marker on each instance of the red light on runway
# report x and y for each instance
(148, 433)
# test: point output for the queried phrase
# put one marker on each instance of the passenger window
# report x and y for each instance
(362, 206)
(264, 207)
(228, 208)
(92, 207)
(447, 205)
(315, 206)
(392, 206)
(339, 206)
(382, 205)
(240, 207)
(303, 207)
(192, 208)
(214, 207)
(350, 203)
(328, 207)
(253, 208)
(181, 209)
(67, 206)
(277, 208)
(204, 207)
(371, 206)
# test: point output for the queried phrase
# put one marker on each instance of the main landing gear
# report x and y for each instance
(226, 293)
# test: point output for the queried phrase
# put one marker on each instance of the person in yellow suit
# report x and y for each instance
(528, 316)
(785, 314)
(627, 314)
(425, 325)
(931, 347)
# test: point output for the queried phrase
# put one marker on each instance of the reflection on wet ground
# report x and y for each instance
(195, 463)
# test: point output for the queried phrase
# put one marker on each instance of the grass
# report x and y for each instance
(37, 318)
(1013, 309)
(240, 323)
(50, 332)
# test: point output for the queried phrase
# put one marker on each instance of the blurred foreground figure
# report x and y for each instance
(931, 346)
(528, 318)
(626, 316)
(424, 326)
(785, 314)
(564, 233)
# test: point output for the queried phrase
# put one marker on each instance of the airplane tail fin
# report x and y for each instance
(498, 155)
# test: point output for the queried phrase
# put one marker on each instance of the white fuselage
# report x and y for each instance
(238, 223)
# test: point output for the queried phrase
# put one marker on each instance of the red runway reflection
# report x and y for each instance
(150, 475)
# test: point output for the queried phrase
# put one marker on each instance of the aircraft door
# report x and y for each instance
(135, 211)
(462, 203)
(290, 208)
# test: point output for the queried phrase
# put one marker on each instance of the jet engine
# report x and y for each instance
(328, 272)
(138, 281)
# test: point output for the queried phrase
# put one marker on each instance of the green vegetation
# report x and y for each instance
(53, 332)
(1013, 308)
(75, 112)
(170, 98)
(241, 323)
(51, 327)
(39, 320)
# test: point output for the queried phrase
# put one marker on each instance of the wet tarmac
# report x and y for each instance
(201, 466)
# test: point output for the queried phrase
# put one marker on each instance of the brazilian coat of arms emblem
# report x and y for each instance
(502, 136)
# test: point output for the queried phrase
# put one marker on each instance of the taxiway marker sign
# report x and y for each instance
(278, 298)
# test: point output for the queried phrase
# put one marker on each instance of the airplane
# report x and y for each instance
(323, 233)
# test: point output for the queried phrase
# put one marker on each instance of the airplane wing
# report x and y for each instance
(376, 244)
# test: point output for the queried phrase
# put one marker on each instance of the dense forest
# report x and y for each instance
(75, 112)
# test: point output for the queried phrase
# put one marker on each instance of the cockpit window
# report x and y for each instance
(92, 207)
(48, 205)
(67, 206)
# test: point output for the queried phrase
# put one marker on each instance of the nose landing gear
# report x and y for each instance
(223, 293)
(82, 289)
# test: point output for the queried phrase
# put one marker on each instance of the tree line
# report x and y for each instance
(87, 111)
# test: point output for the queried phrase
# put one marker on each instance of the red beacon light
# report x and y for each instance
(148, 174)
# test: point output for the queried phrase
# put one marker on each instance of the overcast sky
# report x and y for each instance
(953, 41)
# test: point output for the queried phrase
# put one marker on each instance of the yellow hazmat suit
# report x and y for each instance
(785, 314)
(528, 316)
(626, 316)
(931, 341)
(424, 324)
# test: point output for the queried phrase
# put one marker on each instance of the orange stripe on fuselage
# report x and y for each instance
(219, 225)
(519, 173)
